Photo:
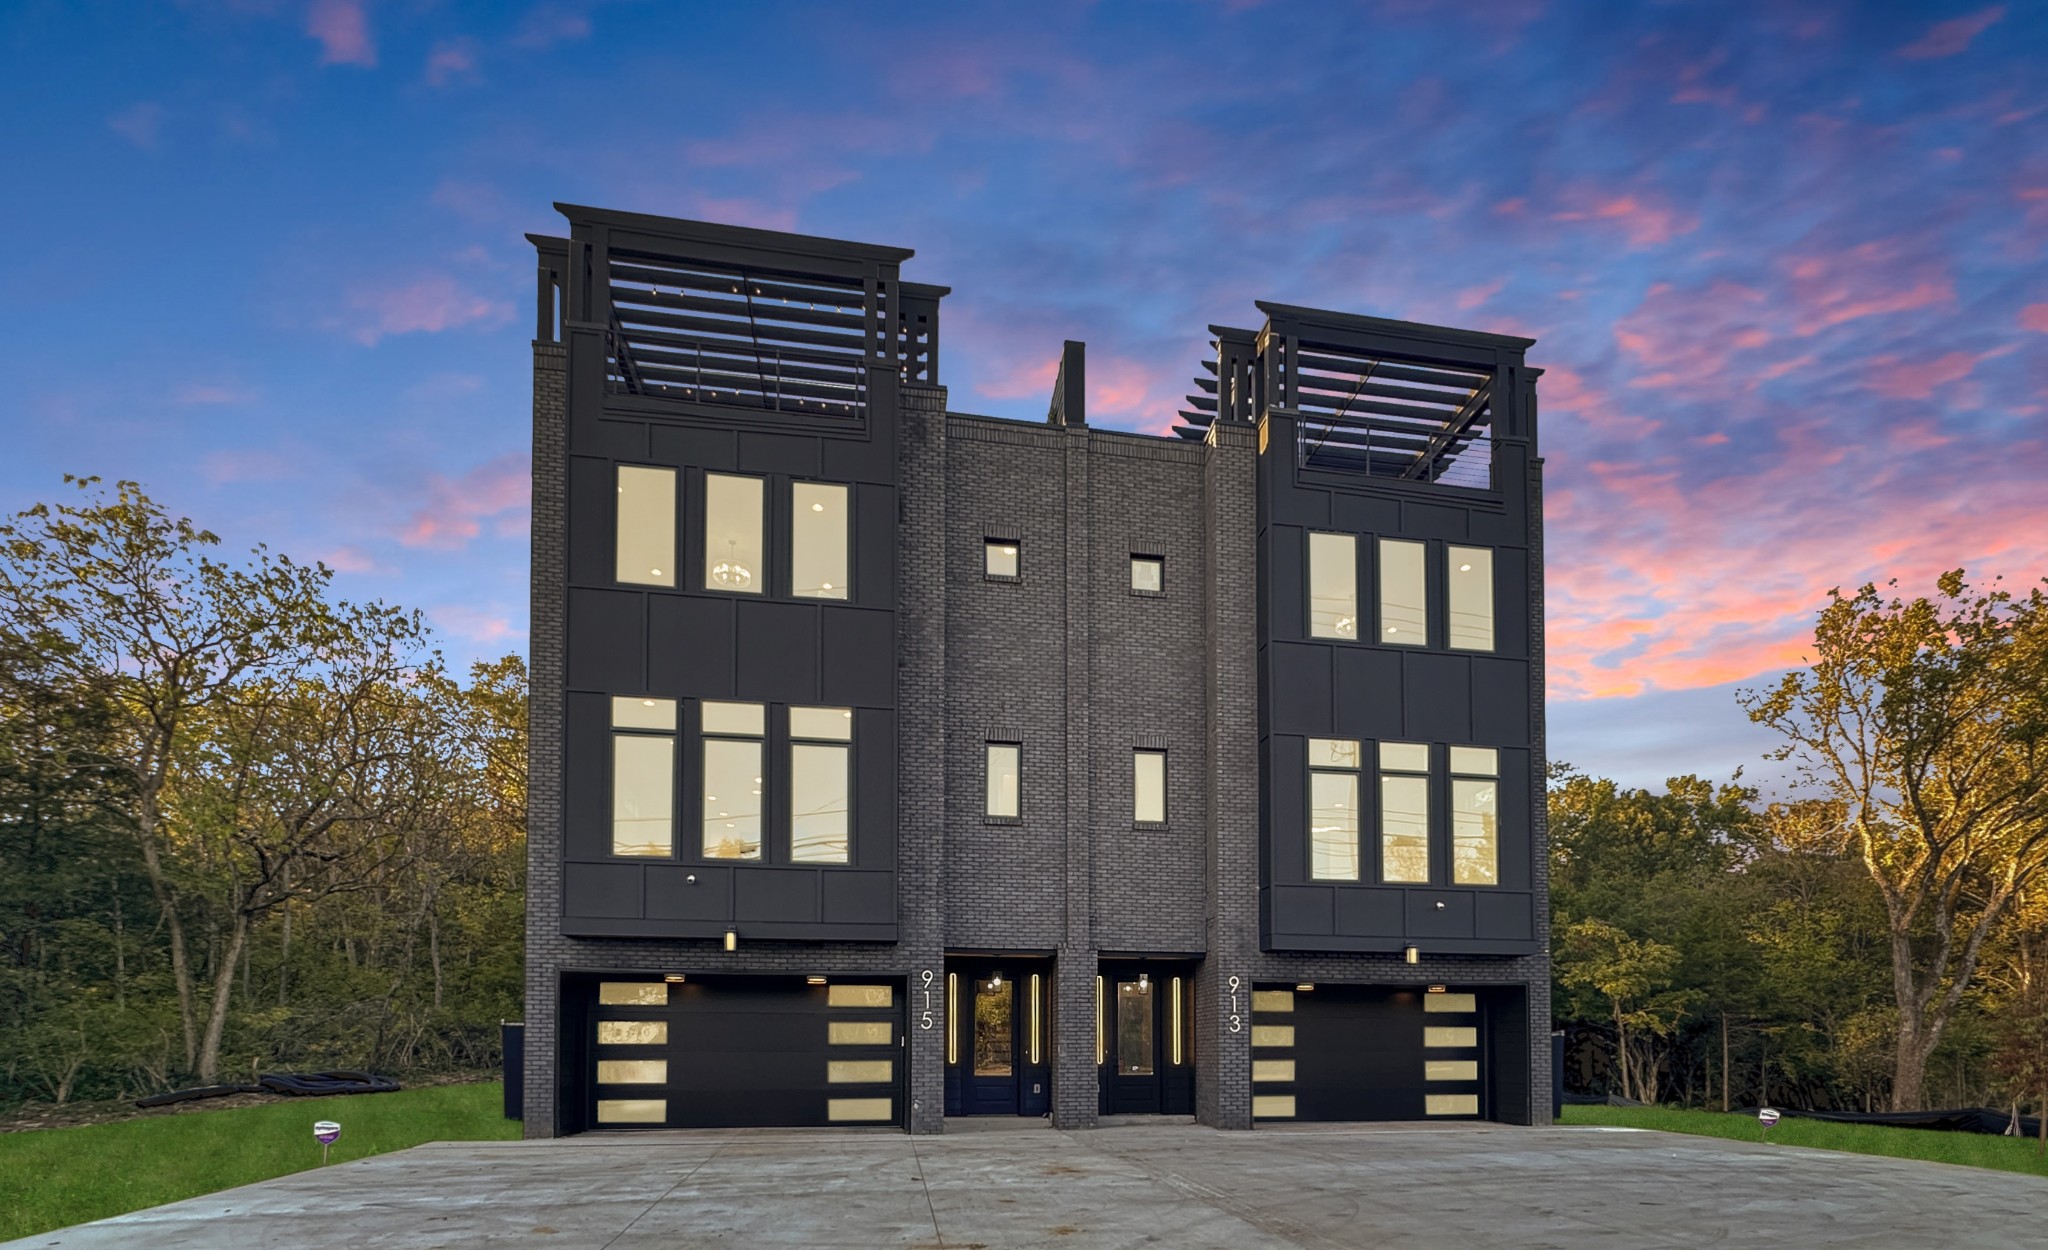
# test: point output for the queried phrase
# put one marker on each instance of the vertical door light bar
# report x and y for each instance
(1177, 1059)
(952, 1016)
(1034, 1017)
(1101, 1038)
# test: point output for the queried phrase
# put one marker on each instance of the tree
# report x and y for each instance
(116, 594)
(1924, 722)
(1631, 975)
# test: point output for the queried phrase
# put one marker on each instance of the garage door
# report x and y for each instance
(741, 1052)
(1338, 1052)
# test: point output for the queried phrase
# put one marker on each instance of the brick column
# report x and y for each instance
(546, 648)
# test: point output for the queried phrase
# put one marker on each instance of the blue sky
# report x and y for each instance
(1785, 262)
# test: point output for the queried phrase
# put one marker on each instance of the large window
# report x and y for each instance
(1332, 586)
(1148, 787)
(1475, 816)
(732, 779)
(820, 784)
(1005, 778)
(1469, 574)
(1404, 620)
(646, 547)
(734, 548)
(818, 541)
(1404, 813)
(1333, 809)
(643, 776)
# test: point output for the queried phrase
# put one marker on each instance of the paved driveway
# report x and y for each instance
(1179, 1187)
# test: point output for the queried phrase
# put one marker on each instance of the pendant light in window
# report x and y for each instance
(729, 572)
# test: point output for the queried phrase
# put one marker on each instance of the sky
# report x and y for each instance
(1787, 264)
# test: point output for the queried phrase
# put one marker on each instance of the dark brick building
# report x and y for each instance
(892, 763)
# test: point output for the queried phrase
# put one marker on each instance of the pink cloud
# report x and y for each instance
(1899, 379)
(1647, 220)
(1120, 387)
(2035, 317)
(426, 305)
(1868, 280)
(1953, 36)
(475, 624)
(452, 62)
(351, 559)
(1474, 296)
(343, 31)
(140, 123)
(458, 508)
(1021, 380)
(744, 212)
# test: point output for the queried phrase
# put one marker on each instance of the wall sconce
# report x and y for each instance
(732, 940)
(1144, 983)
(675, 978)
(1408, 954)
(995, 980)
(1305, 987)
(814, 980)
(1436, 989)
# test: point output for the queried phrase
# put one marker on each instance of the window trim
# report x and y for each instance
(1380, 593)
(1492, 589)
(988, 777)
(1427, 774)
(673, 736)
(1356, 774)
(1308, 585)
(1138, 821)
(846, 492)
(675, 511)
(846, 745)
(1137, 558)
(765, 825)
(1454, 775)
(761, 584)
(1017, 554)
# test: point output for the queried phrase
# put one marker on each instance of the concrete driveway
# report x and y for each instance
(1181, 1187)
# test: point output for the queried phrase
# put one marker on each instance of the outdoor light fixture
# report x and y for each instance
(732, 940)
(1410, 955)
(1436, 989)
(1305, 987)
(814, 980)
(995, 980)
(674, 978)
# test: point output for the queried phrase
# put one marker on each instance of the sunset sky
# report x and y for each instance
(1787, 263)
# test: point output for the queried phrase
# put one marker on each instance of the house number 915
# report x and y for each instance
(924, 1017)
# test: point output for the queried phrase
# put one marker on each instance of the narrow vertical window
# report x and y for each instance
(643, 776)
(820, 784)
(734, 548)
(646, 546)
(1475, 816)
(1148, 575)
(818, 531)
(732, 779)
(1469, 573)
(1404, 620)
(1148, 787)
(1005, 788)
(1333, 809)
(1332, 586)
(1000, 560)
(1404, 813)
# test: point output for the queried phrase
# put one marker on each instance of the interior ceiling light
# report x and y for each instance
(730, 572)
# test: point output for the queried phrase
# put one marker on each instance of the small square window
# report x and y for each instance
(1000, 560)
(1148, 575)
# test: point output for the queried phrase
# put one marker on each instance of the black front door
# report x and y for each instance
(1145, 1038)
(996, 1060)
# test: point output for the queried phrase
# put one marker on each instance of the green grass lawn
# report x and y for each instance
(53, 1177)
(1976, 1150)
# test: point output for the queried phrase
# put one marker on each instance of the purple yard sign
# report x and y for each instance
(1766, 1117)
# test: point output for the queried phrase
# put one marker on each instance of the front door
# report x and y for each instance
(996, 1061)
(1144, 1043)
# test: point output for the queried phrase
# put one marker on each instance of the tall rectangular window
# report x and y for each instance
(1332, 586)
(1404, 813)
(646, 545)
(643, 776)
(1148, 777)
(1475, 816)
(1469, 574)
(1333, 809)
(818, 530)
(732, 779)
(820, 784)
(1404, 618)
(1005, 780)
(735, 549)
